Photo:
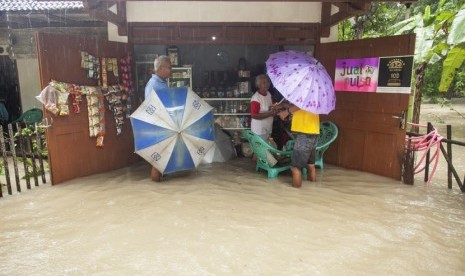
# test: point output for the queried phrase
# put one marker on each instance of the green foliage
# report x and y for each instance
(30, 171)
(345, 30)
(457, 29)
(29, 131)
(374, 23)
(459, 84)
(439, 27)
(432, 78)
(453, 61)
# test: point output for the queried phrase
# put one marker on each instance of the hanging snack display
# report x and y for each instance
(74, 90)
(116, 103)
(96, 112)
(96, 125)
(127, 85)
(65, 90)
(55, 98)
(92, 65)
(101, 112)
(104, 73)
(111, 65)
(77, 99)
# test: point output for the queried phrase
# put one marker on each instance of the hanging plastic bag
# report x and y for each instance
(49, 98)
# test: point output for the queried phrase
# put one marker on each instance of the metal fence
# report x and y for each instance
(447, 154)
(23, 155)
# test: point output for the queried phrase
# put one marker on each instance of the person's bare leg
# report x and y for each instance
(296, 177)
(156, 175)
(311, 173)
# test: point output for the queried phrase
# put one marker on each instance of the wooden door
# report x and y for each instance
(72, 153)
(370, 138)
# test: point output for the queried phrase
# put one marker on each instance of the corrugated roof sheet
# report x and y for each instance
(33, 5)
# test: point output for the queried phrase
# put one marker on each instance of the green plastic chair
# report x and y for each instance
(31, 116)
(247, 134)
(264, 152)
(328, 133)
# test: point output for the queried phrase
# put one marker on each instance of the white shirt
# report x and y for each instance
(264, 126)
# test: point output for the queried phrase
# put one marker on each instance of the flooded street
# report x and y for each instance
(227, 219)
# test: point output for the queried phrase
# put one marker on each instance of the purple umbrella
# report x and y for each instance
(302, 80)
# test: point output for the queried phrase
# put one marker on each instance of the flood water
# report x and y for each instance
(227, 219)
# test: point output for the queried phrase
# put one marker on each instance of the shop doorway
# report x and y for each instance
(369, 139)
(10, 101)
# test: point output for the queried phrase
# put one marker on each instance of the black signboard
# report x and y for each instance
(395, 74)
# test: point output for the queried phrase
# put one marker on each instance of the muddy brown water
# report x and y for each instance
(226, 219)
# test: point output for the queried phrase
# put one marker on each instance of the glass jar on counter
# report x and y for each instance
(205, 92)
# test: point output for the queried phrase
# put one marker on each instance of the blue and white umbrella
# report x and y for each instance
(173, 129)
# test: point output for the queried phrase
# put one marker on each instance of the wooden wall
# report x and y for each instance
(72, 153)
(369, 137)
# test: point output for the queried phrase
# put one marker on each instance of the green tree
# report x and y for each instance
(374, 23)
(439, 38)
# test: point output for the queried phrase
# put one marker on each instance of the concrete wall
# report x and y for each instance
(24, 51)
(29, 85)
(220, 11)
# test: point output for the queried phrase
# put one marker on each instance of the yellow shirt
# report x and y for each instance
(305, 122)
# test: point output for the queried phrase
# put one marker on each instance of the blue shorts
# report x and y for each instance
(304, 150)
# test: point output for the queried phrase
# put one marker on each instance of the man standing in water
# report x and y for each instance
(162, 71)
(306, 129)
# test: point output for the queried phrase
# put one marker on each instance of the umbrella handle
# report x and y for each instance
(280, 101)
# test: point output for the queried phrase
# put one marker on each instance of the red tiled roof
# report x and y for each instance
(34, 5)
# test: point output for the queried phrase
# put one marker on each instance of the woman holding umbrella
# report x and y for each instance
(304, 82)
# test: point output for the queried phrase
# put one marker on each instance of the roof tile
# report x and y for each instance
(34, 5)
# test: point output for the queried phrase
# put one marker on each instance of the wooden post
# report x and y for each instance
(454, 172)
(408, 161)
(463, 186)
(21, 148)
(33, 160)
(428, 130)
(449, 154)
(13, 154)
(5, 161)
(39, 149)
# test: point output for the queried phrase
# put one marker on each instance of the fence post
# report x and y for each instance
(1, 188)
(39, 149)
(5, 161)
(428, 130)
(449, 153)
(33, 159)
(21, 147)
(13, 154)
